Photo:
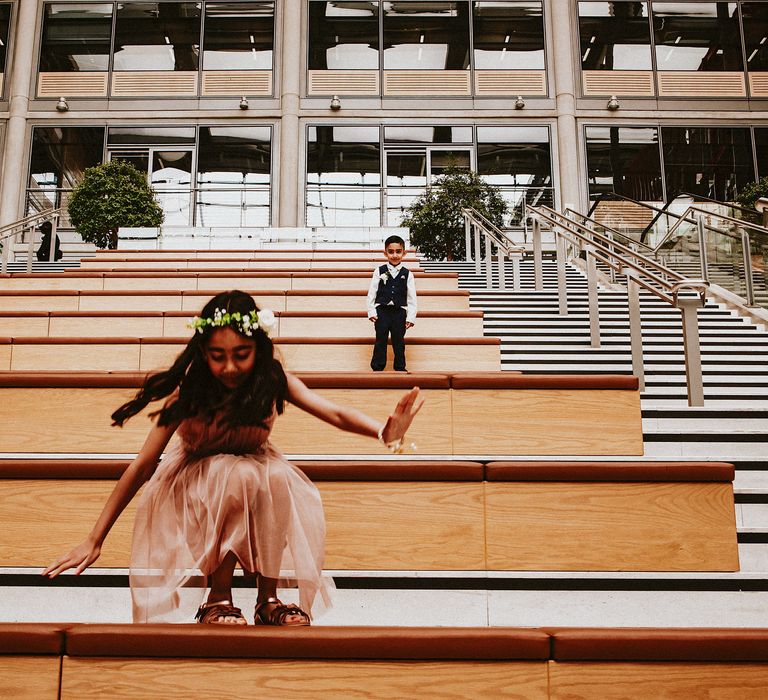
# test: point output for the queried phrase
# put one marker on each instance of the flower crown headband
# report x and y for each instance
(242, 323)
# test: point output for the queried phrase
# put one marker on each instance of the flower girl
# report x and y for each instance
(222, 494)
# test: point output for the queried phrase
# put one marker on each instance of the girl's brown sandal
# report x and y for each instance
(278, 614)
(210, 613)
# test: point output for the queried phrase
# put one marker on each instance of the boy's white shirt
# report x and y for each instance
(410, 309)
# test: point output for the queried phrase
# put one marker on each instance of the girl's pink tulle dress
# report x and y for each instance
(220, 490)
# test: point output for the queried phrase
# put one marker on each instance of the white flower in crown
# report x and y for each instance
(384, 277)
(266, 320)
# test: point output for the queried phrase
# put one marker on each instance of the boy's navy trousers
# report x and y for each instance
(390, 320)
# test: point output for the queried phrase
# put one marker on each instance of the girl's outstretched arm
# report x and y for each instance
(352, 420)
(138, 471)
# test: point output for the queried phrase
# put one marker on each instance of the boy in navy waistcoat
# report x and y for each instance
(391, 305)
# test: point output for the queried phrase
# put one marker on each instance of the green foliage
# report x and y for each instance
(750, 193)
(435, 221)
(109, 196)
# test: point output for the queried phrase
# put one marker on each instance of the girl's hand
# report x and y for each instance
(80, 558)
(401, 418)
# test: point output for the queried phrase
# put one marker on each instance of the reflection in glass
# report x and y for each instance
(709, 161)
(238, 36)
(343, 176)
(5, 18)
(624, 160)
(59, 158)
(517, 159)
(755, 24)
(343, 35)
(157, 36)
(428, 134)
(150, 135)
(761, 144)
(344, 155)
(615, 35)
(426, 35)
(440, 161)
(508, 35)
(171, 179)
(233, 175)
(700, 36)
(76, 37)
(139, 159)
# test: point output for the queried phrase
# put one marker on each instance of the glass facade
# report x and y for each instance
(5, 20)
(624, 160)
(165, 36)
(346, 167)
(343, 35)
(614, 35)
(755, 22)
(700, 36)
(486, 35)
(76, 37)
(204, 176)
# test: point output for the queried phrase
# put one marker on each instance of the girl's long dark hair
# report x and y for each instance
(200, 393)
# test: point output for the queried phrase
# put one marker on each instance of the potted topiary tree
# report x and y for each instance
(434, 220)
(109, 196)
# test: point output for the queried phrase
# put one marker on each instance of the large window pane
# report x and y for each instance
(624, 160)
(698, 36)
(755, 15)
(343, 35)
(75, 37)
(427, 134)
(761, 143)
(157, 36)
(344, 155)
(238, 36)
(233, 174)
(615, 36)
(343, 176)
(5, 18)
(151, 135)
(59, 158)
(714, 162)
(426, 35)
(508, 35)
(517, 159)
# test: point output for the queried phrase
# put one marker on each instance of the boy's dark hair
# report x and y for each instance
(394, 239)
(200, 393)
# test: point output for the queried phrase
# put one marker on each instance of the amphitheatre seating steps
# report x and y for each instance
(140, 324)
(146, 661)
(213, 264)
(371, 255)
(158, 299)
(215, 279)
(532, 415)
(301, 354)
(398, 514)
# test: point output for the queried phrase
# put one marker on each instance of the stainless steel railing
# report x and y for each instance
(11, 232)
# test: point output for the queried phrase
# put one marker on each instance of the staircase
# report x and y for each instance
(732, 426)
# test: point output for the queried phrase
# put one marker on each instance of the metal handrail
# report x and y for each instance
(641, 272)
(13, 229)
(492, 236)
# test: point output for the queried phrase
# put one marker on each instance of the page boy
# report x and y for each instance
(391, 305)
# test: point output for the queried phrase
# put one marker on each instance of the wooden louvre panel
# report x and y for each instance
(83, 84)
(698, 84)
(251, 83)
(426, 82)
(149, 83)
(510, 82)
(343, 82)
(601, 83)
(622, 215)
(758, 84)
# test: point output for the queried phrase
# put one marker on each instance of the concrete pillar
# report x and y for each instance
(565, 65)
(14, 163)
(290, 82)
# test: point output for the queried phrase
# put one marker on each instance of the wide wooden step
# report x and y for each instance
(142, 324)
(496, 413)
(300, 354)
(213, 279)
(159, 299)
(132, 662)
(255, 264)
(374, 256)
(398, 515)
